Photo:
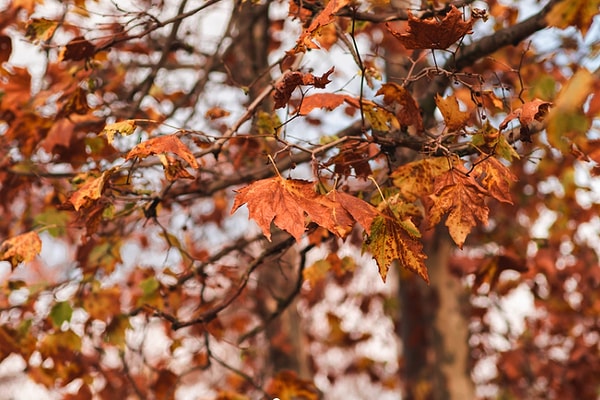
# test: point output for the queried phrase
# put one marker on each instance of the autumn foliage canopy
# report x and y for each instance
(203, 176)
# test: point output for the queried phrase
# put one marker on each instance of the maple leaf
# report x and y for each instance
(580, 13)
(21, 248)
(530, 116)
(392, 239)
(463, 200)
(453, 117)
(162, 145)
(125, 128)
(495, 177)
(173, 168)
(90, 191)
(325, 17)
(360, 211)
(407, 109)
(431, 33)
(354, 155)
(286, 202)
(415, 179)
(292, 79)
(379, 118)
(328, 101)
(40, 29)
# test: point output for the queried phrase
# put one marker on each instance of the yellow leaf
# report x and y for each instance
(453, 117)
(567, 122)
(21, 248)
(579, 13)
(392, 239)
(124, 128)
(415, 179)
(40, 29)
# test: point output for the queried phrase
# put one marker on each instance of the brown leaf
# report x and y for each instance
(407, 109)
(431, 33)
(173, 168)
(496, 178)
(77, 49)
(291, 80)
(462, 199)
(354, 155)
(5, 48)
(392, 239)
(453, 117)
(162, 145)
(21, 248)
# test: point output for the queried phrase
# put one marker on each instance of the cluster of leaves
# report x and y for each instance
(108, 156)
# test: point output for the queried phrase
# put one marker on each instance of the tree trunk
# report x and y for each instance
(434, 329)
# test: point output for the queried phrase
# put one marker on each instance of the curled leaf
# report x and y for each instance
(162, 145)
(21, 248)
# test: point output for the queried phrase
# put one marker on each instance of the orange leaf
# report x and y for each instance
(21, 248)
(328, 101)
(325, 17)
(407, 109)
(579, 13)
(173, 168)
(361, 211)
(392, 239)
(431, 33)
(529, 114)
(161, 145)
(461, 197)
(453, 117)
(90, 191)
(286, 385)
(286, 202)
(496, 178)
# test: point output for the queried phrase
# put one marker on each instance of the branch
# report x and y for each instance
(484, 47)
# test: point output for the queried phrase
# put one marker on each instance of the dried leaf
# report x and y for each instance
(40, 29)
(291, 80)
(287, 203)
(463, 200)
(328, 101)
(392, 239)
(453, 117)
(431, 33)
(495, 177)
(325, 17)
(379, 118)
(21, 248)
(5, 48)
(124, 128)
(77, 49)
(89, 192)
(529, 114)
(162, 145)
(415, 179)
(407, 109)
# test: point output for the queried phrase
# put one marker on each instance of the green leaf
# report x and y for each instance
(61, 312)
